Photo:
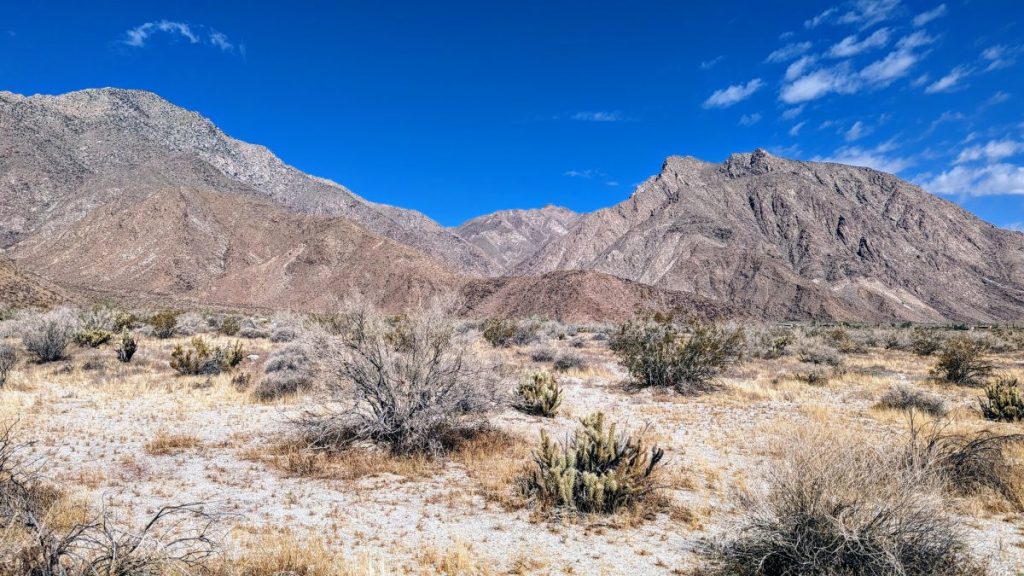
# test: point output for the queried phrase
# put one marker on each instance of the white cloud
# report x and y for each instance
(598, 117)
(853, 45)
(856, 132)
(926, 17)
(788, 52)
(791, 113)
(821, 18)
(588, 173)
(795, 130)
(895, 65)
(949, 81)
(709, 64)
(916, 40)
(1000, 57)
(220, 40)
(139, 36)
(750, 119)
(987, 180)
(876, 158)
(993, 150)
(998, 98)
(1015, 226)
(817, 84)
(862, 13)
(728, 96)
(797, 69)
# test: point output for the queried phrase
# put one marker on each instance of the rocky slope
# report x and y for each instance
(508, 237)
(18, 290)
(789, 239)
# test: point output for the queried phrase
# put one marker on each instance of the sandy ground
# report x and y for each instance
(91, 419)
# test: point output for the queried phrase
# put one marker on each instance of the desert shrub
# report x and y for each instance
(98, 319)
(285, 327)
(906, 397)
(771, 343)
(405, 391)
(287, 371)
(962, 361)
(163, 323)
(229, 326)
(253, 329)
(502, 333)
(201, 358)
(126, 346)
(92, 338)
(656, 353)
(124, 320)
(569, 361)
(542, 354)
(836, 505)
(1003, 401)
(816, 376)
(843, 341)
(8, 358)
(815, 352)
(190, 324)
(925, 342)
(598, 470)
(47, 336)
(539, 394)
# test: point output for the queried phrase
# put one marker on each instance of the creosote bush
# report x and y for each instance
(907, 397)
(92, 338)
(288, 370)
(542, 354)
(201, 358)
(1004, 400)
(539, 394)
(47, 336)
(229, 326)
(925, 342)
(8, 358)
(406, 384)
(770, 343)
(962, 361)
(836, 504)
(815, 352)
(656, 352)
(569, 361)
(598, 470)
(126, 346)
(164, 323)
(501, 333)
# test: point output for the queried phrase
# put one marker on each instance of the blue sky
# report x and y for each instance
(461, 108)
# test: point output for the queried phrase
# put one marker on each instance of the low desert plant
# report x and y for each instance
(771, 343)
(287, 371)
(126, 346)
(191, 324)
(962, 361)
(92, 338)
(569, 361)
(598, 470)
(1004, 400)
(8, 358)
(539, 394)
(501, 333)
(656, 353)
(925, 342)
(47, 336)
(407, 384)
(837, 505)
(202, 358)
(906, 397)
(164, 322)
(253, 329)
(814, 352)
(285, 327)
(542, 354)
(229, 326)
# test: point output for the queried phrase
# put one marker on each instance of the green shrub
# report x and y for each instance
(93, 338)
(597, 470)
(230, 326)
(656, 353)
(962, 361)
(501, 333)
(202, 358)
(126, 347)
(1004, 400)
(539, 395)
(124, 320)
(925, 342)
(164, 323)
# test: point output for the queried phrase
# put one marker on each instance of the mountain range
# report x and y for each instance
(119, 193)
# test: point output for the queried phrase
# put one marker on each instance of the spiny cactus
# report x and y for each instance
(126, 347)
(539, 395)
(599, 470)
(1004, 400)
(92, 338)
(201, 358)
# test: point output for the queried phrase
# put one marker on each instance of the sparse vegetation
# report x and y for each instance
(906, 397)
(285, 327)
(164, 323)
(656, 353)
(502, 333)
(47, 336)
(126, 347)
(202, 358)
(92, 338)
(8, 358)
(815, 352)
(229, 326)
(962, 361)
(925, 342)
(542, 354)
(539, 394)
(1003, 401)
(569, 361)
(287, 371)
(598, 470)
(770, 343)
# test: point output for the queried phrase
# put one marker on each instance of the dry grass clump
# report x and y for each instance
(656, 353)
(538, 394)
(1003, 401)
(8, 358)
(201, 358)
(839, 505)
(962, 361)
(906, 397)
(402, 385)
(284, 554)
(47, 336)
(569, 361)
(770, 343)
(166, 443)
(288, 370)
(598, 470)
(542, 354)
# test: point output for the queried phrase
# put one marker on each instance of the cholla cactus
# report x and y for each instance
(1004, 400)
(539, 395)
(126, 347)
(597, 470)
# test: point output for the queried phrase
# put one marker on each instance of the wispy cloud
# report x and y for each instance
(856, 132)
(1000, 57)
(588, 173)
(986, 180)
(926, 17)
(795, 130)
(598, 117)
(949, 82)
(750, 119)
(878, 158)
(853, 45)
(709, 64)
(793, 112)
(819, 83)
(733, 94)
(139, 36)
(861, 13)
(993, 150)
(788, 52)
